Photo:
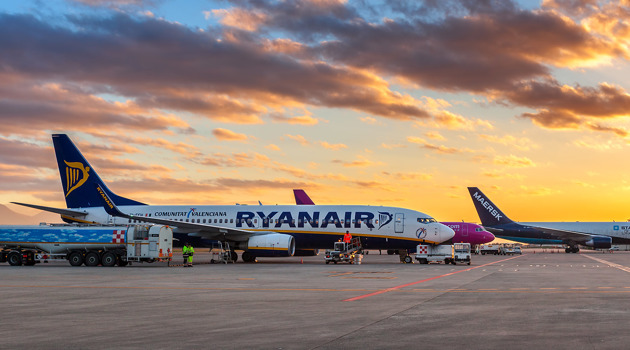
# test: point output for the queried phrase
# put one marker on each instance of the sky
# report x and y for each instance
(357, 102)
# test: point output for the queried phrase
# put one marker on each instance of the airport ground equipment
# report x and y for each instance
(91, 245)
(345, 252)
(448, 254)
(509, 249)
(221, 253)
(490, 249)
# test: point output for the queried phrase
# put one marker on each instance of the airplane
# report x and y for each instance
(598, 235)
(260, 231)
(465, 232)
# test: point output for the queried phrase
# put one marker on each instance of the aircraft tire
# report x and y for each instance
(75, 259)
(109, 259)
(248, 257)
(234, 256)
(14, 259)
(408, 260)
(92, 259)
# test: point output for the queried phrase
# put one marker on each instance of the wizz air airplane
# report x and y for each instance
(599, 235)
(465, 232)
(260, 231)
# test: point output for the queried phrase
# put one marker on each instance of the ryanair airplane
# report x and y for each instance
(260, 231)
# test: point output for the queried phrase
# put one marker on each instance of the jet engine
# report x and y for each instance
(306, 252)
(271, 245)
(599, 242)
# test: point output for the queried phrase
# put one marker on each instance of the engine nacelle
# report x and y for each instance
(599, 242)
(271, 245)
(306, 252)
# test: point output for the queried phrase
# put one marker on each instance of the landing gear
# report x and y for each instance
(234, 256)
(248, 257)
(572, 249)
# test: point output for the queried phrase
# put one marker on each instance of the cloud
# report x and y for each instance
(228, 135)
(299, 138)
(436, 148)
(218, 64)
(302, 120)
(521, 143)
(334, 147)
(514, 161)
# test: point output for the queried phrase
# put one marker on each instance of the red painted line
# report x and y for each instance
(425, 280)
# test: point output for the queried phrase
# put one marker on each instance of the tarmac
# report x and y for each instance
(532, 301)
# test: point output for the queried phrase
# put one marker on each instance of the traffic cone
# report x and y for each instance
(301, 261)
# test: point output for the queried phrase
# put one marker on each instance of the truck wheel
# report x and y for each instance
(408, 260)
(109, 259)
(76, 259)
(14, 259)
(327, 262)
(92, 259)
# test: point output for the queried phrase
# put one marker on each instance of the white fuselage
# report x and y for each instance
(309, 224)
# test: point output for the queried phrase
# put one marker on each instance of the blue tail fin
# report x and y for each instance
(489, 214)
(78, 178)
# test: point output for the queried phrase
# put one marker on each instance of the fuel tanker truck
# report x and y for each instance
(89, 245)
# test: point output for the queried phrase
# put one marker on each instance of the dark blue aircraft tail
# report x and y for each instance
(489, 214)
(79, 179)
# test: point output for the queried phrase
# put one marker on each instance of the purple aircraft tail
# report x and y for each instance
(301, 198)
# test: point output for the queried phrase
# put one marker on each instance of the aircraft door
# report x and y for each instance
(464, 230)
(399, 223)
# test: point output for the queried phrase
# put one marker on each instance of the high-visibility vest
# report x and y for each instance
(347, 238)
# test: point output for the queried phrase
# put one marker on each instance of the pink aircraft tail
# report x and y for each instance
(301, 198)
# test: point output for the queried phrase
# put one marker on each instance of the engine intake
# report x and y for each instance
(271, 245)
(599, 242)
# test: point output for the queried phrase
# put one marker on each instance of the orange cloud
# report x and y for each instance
(229, 135)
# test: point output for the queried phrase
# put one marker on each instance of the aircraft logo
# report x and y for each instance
(384, 218)
(487, 205)
(76, 175)
(192, 210)
(421, 233)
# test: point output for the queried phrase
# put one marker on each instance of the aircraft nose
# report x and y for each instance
(446, 233)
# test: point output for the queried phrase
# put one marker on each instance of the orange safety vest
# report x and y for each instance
(347, 238)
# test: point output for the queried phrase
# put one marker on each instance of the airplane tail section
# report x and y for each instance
(301, 198)
(489, 213)
(78, 177)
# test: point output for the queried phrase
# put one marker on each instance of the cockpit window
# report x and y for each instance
(426, 220)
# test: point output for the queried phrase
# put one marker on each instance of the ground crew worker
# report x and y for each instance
(347, 237)
(188, 252)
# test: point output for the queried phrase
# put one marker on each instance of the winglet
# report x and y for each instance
(489, 214)
(301, 198)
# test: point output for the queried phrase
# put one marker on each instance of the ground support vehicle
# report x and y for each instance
(220, 253)
(345, 252)
(448, 254)
(490, 249)
(509, 249)
(91, 245)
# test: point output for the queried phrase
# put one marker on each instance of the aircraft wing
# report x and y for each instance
(67, 212)
(195, 229)
(565, 235)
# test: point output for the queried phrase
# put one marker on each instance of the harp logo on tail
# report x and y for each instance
(76, 175)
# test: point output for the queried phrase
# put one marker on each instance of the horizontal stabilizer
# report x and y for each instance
(67, 212)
